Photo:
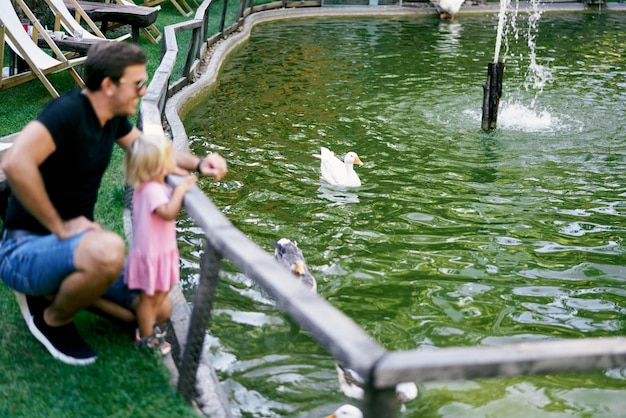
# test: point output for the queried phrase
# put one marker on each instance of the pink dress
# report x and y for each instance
(153, 259)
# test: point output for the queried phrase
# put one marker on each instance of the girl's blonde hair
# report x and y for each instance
(145, 158)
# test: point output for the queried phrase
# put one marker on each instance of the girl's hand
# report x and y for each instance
(187, 182)
(169, 211)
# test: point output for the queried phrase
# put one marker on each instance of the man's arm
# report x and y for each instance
(21, 166)
(126, 141)
(212, 165)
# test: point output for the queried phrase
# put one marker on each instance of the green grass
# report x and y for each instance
(124, 382)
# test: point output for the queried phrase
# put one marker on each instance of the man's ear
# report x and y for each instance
(108, 86)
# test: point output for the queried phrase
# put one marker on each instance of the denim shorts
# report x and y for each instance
(36, 265)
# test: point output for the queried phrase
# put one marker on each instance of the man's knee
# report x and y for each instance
(102, 251)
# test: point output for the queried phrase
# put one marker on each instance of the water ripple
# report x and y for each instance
(457, 236)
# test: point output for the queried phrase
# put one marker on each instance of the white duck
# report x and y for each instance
(347, 411)
(449, 8)
(339, 173)
(351, 384)
(288, 253)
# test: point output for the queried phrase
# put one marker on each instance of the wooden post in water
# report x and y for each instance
(492, 90)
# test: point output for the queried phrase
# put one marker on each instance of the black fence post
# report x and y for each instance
(241, 10)
(380, 403)
(223, 18)
(210, 265)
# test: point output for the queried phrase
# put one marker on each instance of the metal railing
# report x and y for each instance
(337, 333)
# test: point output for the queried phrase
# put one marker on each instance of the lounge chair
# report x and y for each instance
(72, 23)
(41, 64)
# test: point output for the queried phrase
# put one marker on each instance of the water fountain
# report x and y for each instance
(492, 89)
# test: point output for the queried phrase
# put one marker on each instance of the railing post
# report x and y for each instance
(205, 26)
(194, 51)
(210, 265)
(242, 8)
(223, 17)
(380, 403)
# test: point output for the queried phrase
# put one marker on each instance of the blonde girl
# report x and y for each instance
(153, 259)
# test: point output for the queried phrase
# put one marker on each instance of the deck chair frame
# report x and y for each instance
(181, 5)
(72, 23)
(40, 63)
(153, 33)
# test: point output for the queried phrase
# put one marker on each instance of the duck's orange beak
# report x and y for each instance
(299, 269)
(357, 160)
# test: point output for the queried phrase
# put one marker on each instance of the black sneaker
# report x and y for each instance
(31, 305)
(64, 343)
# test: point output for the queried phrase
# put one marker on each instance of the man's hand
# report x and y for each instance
(213, 165)
(76, 226)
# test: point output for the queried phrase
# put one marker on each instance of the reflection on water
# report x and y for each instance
(449, 40)
(457, 236)
(337, 195)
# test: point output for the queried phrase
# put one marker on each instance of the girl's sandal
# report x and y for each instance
(153, 343)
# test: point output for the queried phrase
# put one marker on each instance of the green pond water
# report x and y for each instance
(457, 237)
